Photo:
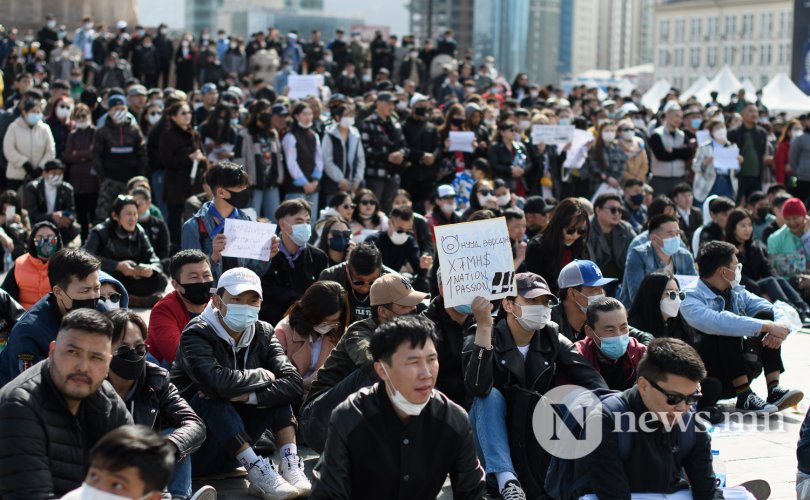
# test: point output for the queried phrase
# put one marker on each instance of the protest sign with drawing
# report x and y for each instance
(475, 259)
(248, 239)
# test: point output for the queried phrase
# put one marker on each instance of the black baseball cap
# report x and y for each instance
(537, 205)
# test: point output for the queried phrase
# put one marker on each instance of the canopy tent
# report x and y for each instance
(652, 98)
(781, 94)
(724, 83)
(696, 87)
(750, 90)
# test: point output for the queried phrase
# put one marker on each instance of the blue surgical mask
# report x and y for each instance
(671, 245)
(300, 234)
(463, 309)
(240, 316)
(33, 118)
(637, 199)
(696, 123)
(614, 347)
(339, 243)
(144, 216)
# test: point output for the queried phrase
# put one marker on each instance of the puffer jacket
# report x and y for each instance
(206, 362)
(30, 273)
(45, 447)
(23, 144)
(104, 243)
(156, 404)
(119, 152)
(79, 160)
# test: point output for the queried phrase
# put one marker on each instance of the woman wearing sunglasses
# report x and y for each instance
(336, 240)
(656, 310)
(27, 281)
(367, 218)
(339, 205)
(150, 396)
(482, 196)
(564, 239)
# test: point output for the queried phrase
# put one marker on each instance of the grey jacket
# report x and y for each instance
(800, 157)
(602, 253)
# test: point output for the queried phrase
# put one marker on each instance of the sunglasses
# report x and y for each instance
(673, 294)
(357, 282)
(625, 130)
(368, 202)
(155, 113)
(43, 239)
(571, 230)
(674, 399)
(113, 297)
(351, 206)
(486, 192)
(613, 210)
(336, 233)
(123, 351)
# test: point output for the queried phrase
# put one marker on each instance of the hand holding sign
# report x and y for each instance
(249, 240)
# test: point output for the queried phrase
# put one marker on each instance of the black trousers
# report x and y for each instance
(85, 211)
(725, 359)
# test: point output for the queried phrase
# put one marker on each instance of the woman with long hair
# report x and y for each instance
(79, 162)
(564, 239)
(781, 159)
(150, 116)
(61, 123)
(259, 150)
(606, 159)
(508, 158)
(709, 180)
(367, 218)
(218, 132)
(482, 196)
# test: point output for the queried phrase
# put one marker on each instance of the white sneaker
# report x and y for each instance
(266, 483)
(205, 493)
(292, 470)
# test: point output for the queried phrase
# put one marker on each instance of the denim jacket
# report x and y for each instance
(705, 311)
(643, 260)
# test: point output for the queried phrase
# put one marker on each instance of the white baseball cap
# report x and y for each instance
(444, 191)
(239, 280)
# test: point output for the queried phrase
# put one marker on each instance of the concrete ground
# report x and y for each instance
(750, 450)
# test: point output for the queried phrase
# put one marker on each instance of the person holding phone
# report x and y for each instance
(51, 199)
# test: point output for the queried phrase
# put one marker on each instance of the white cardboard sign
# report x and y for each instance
(248, 239)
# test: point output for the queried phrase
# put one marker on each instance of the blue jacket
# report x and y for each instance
(642, 260)
(106, 278)
(705, 311)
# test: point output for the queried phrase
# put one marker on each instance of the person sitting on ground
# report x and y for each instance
(689, 217)
(399, 248)
(232, 371)
(296, 266)
(50, 198)
(339, 205)
(367, 218)
(421, 229)
(760, 207)
(155, 228)
(789, 247)
(778, 221)
(608, 346)
(538, 212)
(74, 278)
(444, 208)
(663, 251)
(715, 229)
(336, 242)
(28, 280)
(127, 255)
(610, 236)
(112, 294)
(360, 460)
(522, 350)
(634, 210)
(348, 366)
(724, 314)
(10, 313)
(312, 327)
(668, 385)
(141, 182)
(52, 414)
(660, 205)
(192, 280)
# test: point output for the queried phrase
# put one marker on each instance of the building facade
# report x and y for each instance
(625, 33)
(30, 14)
(431, 18)
(698, 37)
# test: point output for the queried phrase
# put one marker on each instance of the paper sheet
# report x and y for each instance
(304, 85)
(462, 141)
(248, 239)
(726, 159)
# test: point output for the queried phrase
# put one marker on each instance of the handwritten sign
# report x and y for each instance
(475, 259)
(579, 149)
(303, 85)
(552, 134)
(726, 159)
(461, 141)
(248, 239)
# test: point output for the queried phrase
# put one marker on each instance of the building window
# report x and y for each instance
(747, 25)
(711, 28)
(730, 27)
(678, 58)
(767, 25)
(663, 57)
(694, 57)
(728, 55)
(663, 30)
(680, 27)
(711, 56)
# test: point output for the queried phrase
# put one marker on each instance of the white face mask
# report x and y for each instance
(524, 125)
(533, 317)
(448, 208)
(591, 300)
(347, 121)
(737, 276)
(83, 124)
(670, 308)
(401, 105)
(398, 238)
(484, 200)
(119, 116)
(63, 113)
(608, 136)
(504, 199)
(324, 328)
(489, 122)
(796, 133)
(54, 180)
(639, 123)
(719, 135)
(87, 492)
(628, 135)
(398, 400)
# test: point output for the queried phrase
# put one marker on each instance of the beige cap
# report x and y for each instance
(394, 289)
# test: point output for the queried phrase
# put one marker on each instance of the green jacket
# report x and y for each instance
(787, 252)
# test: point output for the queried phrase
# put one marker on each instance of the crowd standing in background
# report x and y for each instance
(646, 270)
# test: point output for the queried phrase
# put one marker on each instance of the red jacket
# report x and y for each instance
(168, 319)
(781, 161)
(635, 351)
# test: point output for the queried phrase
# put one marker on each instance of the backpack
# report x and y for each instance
(562, 482)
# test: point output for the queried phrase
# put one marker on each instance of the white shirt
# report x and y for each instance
(524, 350)
(50, 197)
(315, 345)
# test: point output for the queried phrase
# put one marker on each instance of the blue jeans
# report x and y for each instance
(780, 289)
(722, 187)
(265, 201)
(157, 191)
(180, 483)
(488, 419)
(312, 198)
(228, 425)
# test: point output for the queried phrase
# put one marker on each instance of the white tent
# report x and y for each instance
(724, 83)
(652, 98)
(781, 94)
(750, 90)
(696, 87)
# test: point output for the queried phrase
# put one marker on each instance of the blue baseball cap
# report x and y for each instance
(208, 87)
(582, 273)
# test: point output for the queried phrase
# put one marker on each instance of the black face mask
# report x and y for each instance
(239, 199)
(420, 111)
(457, 121)
(265, 117)
(197, 293)
(128, 366)
(762, 213)
(82, 304)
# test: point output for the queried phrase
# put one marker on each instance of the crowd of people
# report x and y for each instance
(645, 270)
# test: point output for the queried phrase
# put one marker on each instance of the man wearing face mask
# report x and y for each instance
(433, 436)
(523, 350)
(233, 372)
(725, 314)
(444, 208)
(74, 276)
(671, 149)
(608, 346)
(398, 246)
(152, 399)
(50, 199)
(635, 212)
(192, 280)
(663, 251)
(348, 367)
(425, 146)
(297, 264)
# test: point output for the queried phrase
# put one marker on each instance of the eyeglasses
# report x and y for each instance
(347, 207)
(614, 210)
(676, 398)
(336, 233)
(672, 294)
(113, 297)
(368, 202)
(486, 192)
(123, 351)
(571, 230)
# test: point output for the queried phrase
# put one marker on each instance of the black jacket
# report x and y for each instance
(651, 466)
(174, 146)
(156, 404)
(45, 447)
(205, 362)
(450, 380)
(380, 139)
(422, 137)
(603, 253)
(37, 204)
(119, 152)
(371, 453)
(282, 285)
(501, 161)
(104, 242)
